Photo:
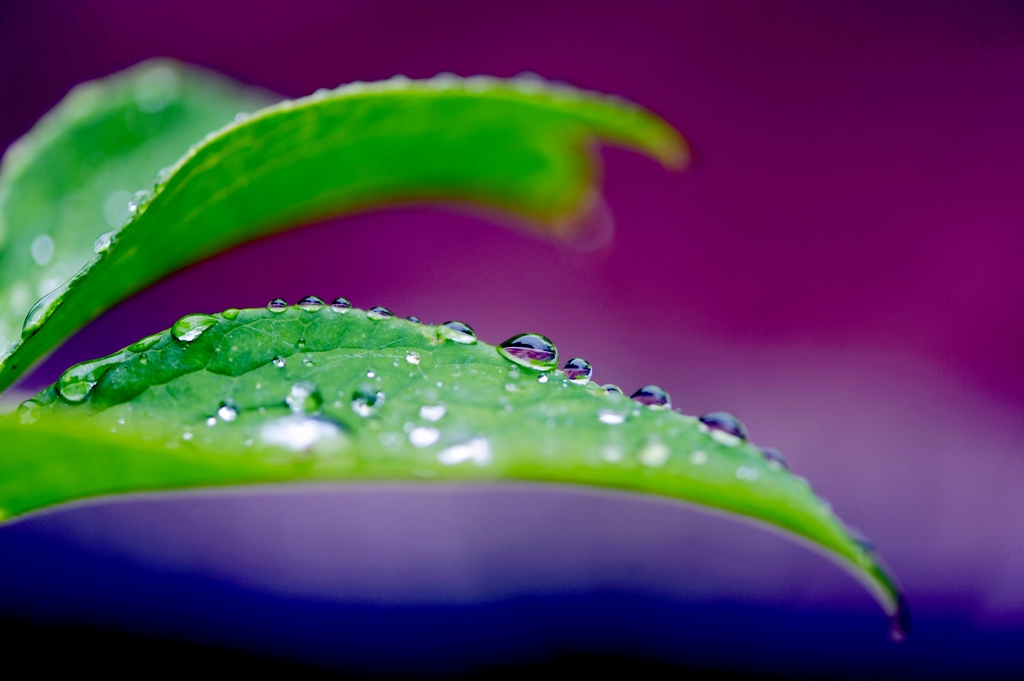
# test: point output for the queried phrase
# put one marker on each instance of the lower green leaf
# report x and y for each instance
(328, 392)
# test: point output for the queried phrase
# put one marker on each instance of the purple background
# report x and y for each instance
(841, 268)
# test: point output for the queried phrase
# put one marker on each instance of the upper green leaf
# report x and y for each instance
(519, 145)
(322, 392)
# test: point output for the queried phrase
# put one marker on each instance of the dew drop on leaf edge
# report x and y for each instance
(341, 305)
(723, 423)
(578, 370)
(311, 304)
(530, 350)
(379, 313)
(277, 305)
(191, 327)
(652, 396)
(458, 332)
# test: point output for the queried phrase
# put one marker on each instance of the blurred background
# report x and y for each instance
(842, 269)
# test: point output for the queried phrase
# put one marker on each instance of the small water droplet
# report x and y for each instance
(228, 411)
(379, 313)
(103, 242)
(477, 450)
(279, 362)
(308, 361)
(459, 332)
(612, 389)
(652, 396)
(211, 422)
(578, 370)
(311, 304)
(699, 458)
(143, 359)
(413, 318)
(241, 116)
(530, 350)
(75, 384)
(543, 379)
(146, 343)
(747, 474)
(304, 398)
(186, 435)
(423, 436)
(341, 305)
(277, 305)
(412, 357)
(163, 175)
(611, 418)
(433, 412)
(191, 327)
(370, 374)
(28, 412)
(231, 313)
(724, 428)
(367, 401)
(774, 456)
(654, 454)
(138, 201)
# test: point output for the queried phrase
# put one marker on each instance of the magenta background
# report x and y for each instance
(841, 268)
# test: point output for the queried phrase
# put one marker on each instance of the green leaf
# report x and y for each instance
(516, 145)
(71, 178)
(331, 393)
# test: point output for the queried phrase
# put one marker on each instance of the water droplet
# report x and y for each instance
(612, 389)
(652, 396)
(378, 313)
(341, 305)
(279, 361)
(304, 398)
(228, 411)
(163, 175)
(423, 436)
(42, 249)
(774, 456)
(241, 116)
(611, 418)
(186, 435)
(231, 313)
(191, 327)
(433, 412)
(413, 318)
(146, 343)
(724, 428)
(459, 332)
(899, 621)
(578, 370)
(530, 350)
(699, 458)
(76, 383)
(412, 357)
(367, 401)
(138, 201)
(370, 374)
(302, 433)
(311, 304)
(543, 379)
(654, 454)
(103, 242)
(42, 310)
(747, 474)
(211, 422)
(28, 412)
(277, 305)
(143, 360)
(477, 450)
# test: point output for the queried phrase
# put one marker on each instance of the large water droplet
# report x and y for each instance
(76, 383)
(530, 350)
(191, 327)
(433, 412)
(367, 401)
(379, 313)
(460, 332)
(103, 242)
(304, 398)
(652, 396)
(477, 450)
(578, 370)
(311, 304)
(146, 343)
(28, 412)
(423, 436)
(724, 428)
(227, 411)
(277, 305)
(301, 433)
(773, 455)
(41, 311)
(341, 305)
